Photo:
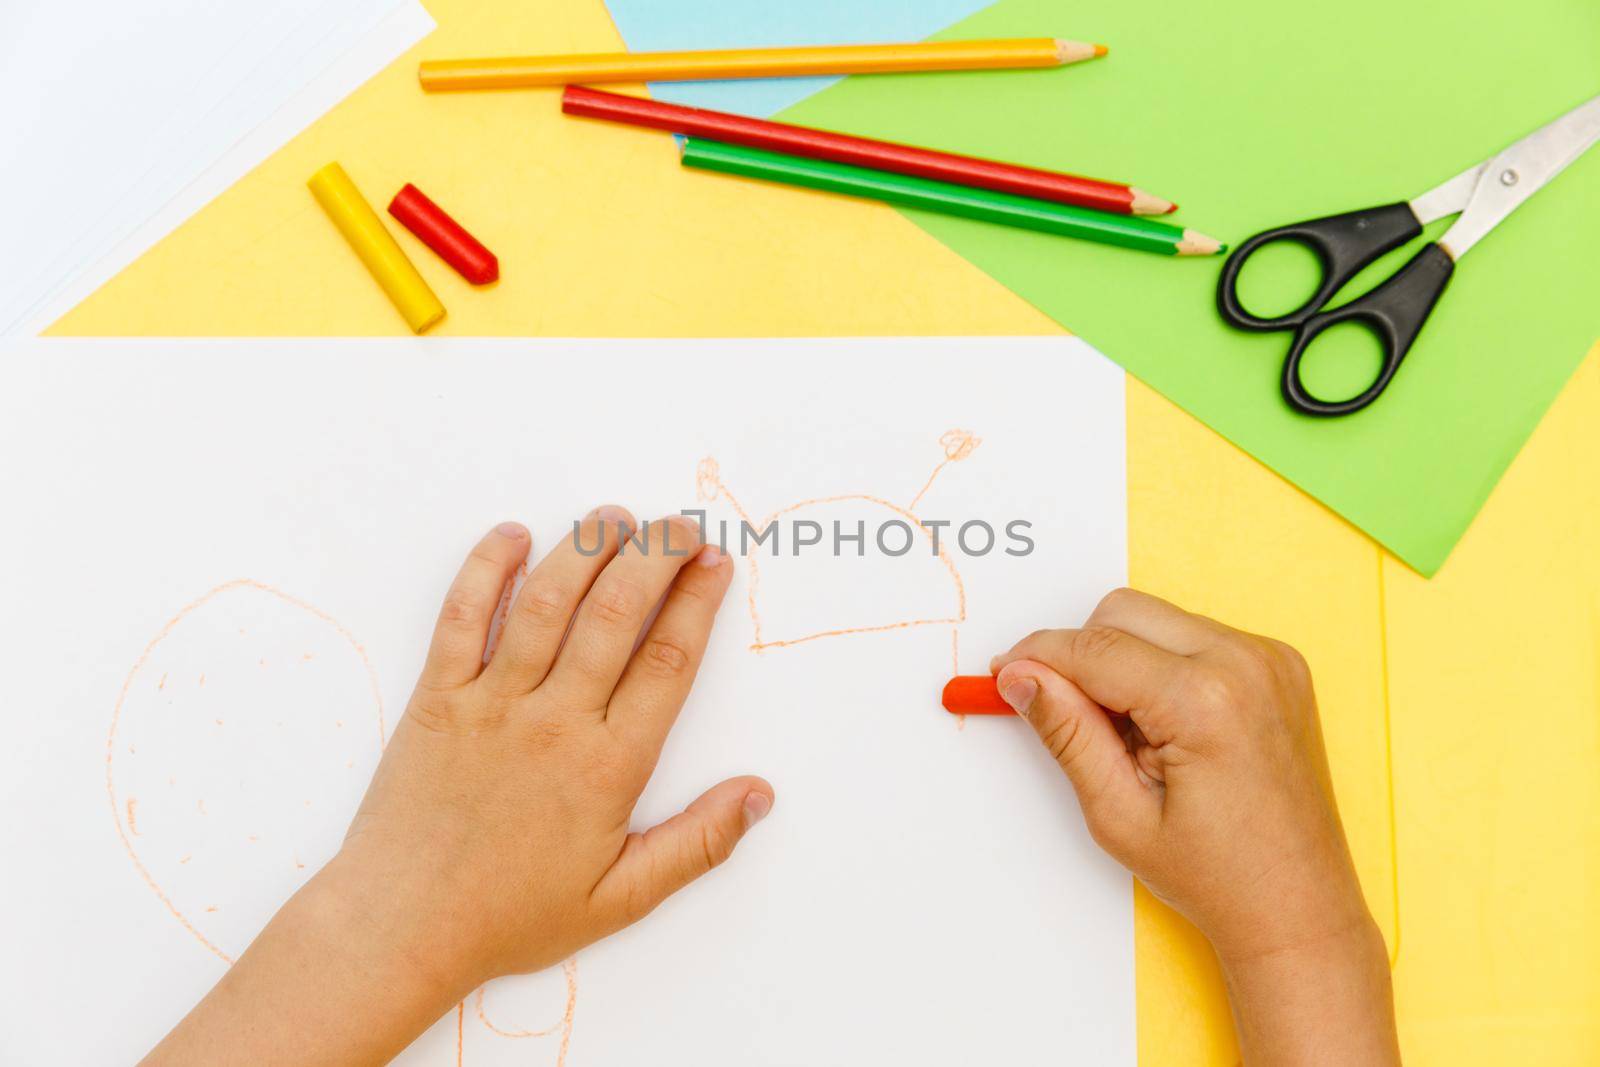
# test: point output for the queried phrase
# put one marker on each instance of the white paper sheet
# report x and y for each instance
(222, 561)
(123, 119)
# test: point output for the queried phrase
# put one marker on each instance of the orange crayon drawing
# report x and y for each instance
(126, 828)
(563, 1026)
(957, 445)
(166, 845)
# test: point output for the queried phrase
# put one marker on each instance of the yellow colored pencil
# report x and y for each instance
(518, 72)
(386, 262)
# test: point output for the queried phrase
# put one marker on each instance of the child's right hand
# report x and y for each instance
(1197, 758)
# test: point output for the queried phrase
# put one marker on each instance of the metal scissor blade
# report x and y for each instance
(1451, 198)
(1522, 170)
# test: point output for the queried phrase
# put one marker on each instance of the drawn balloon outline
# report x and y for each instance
(124, 806)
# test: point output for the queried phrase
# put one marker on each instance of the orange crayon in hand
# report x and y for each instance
(974, 695)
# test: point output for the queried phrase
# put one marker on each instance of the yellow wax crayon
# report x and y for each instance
(388, 265)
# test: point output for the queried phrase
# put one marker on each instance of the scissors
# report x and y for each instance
(1396, 310)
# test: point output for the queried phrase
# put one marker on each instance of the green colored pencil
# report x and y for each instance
(985, 205)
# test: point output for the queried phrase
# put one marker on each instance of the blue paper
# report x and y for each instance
(668, 25)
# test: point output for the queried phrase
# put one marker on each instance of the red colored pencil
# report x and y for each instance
(863, 152)
(974, 695)
(444, 235)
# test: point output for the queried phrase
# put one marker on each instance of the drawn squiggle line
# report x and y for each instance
(886, 627)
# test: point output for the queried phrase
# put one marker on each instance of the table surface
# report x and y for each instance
(1462, 713)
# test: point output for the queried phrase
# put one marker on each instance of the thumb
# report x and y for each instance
(1080, 736)
(662, 860)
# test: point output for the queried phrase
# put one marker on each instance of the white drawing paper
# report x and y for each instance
(222, 564)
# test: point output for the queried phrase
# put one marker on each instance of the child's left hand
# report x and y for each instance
(494, 837)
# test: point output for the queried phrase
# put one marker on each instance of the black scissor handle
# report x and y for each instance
(1394, 311)
(1343, 244)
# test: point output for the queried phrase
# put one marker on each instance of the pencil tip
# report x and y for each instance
(1195, 243)
(1146, 204)
(1077, 51)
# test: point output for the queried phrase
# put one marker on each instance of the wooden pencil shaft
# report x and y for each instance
(530, 71)
(1067, 220)
(859, 151)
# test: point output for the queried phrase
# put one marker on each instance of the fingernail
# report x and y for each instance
(513, 530)
(619, 517)
(756, 806)
(709, 556)
(1019, 694)
(994, 664)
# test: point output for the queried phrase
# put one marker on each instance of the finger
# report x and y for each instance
(659, 862)
(456, 655)
(657, 679)
(1113, 668)
(607, 625)
(543, 608)
(1080, 736)
(1162, 624)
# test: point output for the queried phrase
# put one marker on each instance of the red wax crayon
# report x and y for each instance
(974, 695)
(444, 235)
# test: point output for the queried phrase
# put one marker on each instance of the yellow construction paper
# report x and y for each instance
(1494, 678)
(599, 233)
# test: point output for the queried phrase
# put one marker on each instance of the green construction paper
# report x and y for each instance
(1255, 113)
